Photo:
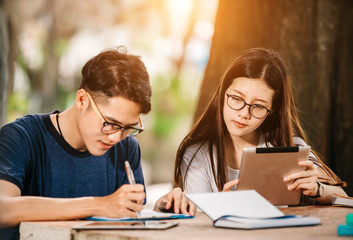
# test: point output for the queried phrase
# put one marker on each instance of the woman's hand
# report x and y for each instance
(227, 187)
(304, 180)
(175, 201)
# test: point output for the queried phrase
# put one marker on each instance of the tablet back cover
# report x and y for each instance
(263, 170)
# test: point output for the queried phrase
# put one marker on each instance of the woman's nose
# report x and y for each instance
(244, 112)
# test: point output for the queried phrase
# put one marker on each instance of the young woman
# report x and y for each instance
(253, 106)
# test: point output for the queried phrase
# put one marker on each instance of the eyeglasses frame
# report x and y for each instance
(105, 122)
(247, 104)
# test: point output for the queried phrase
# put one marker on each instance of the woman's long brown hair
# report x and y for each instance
(279, 128)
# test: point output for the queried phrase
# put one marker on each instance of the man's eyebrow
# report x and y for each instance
(112, 120)
(256, 99)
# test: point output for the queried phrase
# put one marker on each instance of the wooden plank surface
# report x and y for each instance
(198, 228)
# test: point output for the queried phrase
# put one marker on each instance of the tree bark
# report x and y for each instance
(4, 65)
(314, 38)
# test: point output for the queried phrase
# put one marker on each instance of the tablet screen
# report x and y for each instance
(126, 225)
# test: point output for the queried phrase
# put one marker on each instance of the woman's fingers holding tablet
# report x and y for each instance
(305, 180)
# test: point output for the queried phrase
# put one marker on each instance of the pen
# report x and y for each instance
(129, 173)
(130, 177)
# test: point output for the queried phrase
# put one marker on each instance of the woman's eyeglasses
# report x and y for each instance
(256, 110)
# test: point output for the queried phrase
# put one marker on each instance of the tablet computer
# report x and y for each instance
(263, 170)
(130, 225)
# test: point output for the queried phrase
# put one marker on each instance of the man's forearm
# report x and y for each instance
(18, 209)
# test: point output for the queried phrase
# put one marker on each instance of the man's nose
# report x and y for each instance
(117, 136)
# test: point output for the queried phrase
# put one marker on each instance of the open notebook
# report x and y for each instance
(246, 210)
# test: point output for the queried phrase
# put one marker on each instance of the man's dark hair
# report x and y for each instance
(116, 73)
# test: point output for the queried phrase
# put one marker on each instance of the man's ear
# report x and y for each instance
(81, 99)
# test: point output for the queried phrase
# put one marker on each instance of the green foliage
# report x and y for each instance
(60, 46)
(17, 106)
(169, 108)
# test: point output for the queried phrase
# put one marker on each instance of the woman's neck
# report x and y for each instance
(250, 140)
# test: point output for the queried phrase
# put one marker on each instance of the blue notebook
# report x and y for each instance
(144, 215)
(251, 223)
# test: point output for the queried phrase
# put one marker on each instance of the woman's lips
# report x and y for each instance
(239, 124)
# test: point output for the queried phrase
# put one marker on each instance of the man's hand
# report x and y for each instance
(124, 202)
(14, 208)
(176, 202)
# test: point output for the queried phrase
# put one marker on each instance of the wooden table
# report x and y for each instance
(198, 228)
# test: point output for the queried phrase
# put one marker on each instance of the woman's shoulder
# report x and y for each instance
(198, 152)
(197, 149)
(298, 141)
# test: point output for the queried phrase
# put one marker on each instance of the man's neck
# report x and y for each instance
(68, 126)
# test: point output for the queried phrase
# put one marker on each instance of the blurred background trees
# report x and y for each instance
(50, 41)
(53, 40)
(6, 68)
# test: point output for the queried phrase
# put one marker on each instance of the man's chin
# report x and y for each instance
(97, 152)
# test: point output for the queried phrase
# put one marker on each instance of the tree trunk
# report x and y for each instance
(314, 38)
(4, 65)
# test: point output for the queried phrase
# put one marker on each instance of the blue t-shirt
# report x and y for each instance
(36, 158)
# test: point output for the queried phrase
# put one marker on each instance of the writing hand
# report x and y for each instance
(227, 187)
(124, 202)
(304, 180)
(175, 201)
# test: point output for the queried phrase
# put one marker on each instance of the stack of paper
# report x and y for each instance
(342, 200)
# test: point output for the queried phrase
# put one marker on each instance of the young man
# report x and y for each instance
(70, 164)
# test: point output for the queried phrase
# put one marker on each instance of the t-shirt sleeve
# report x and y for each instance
(197, 171)
(14, 152)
